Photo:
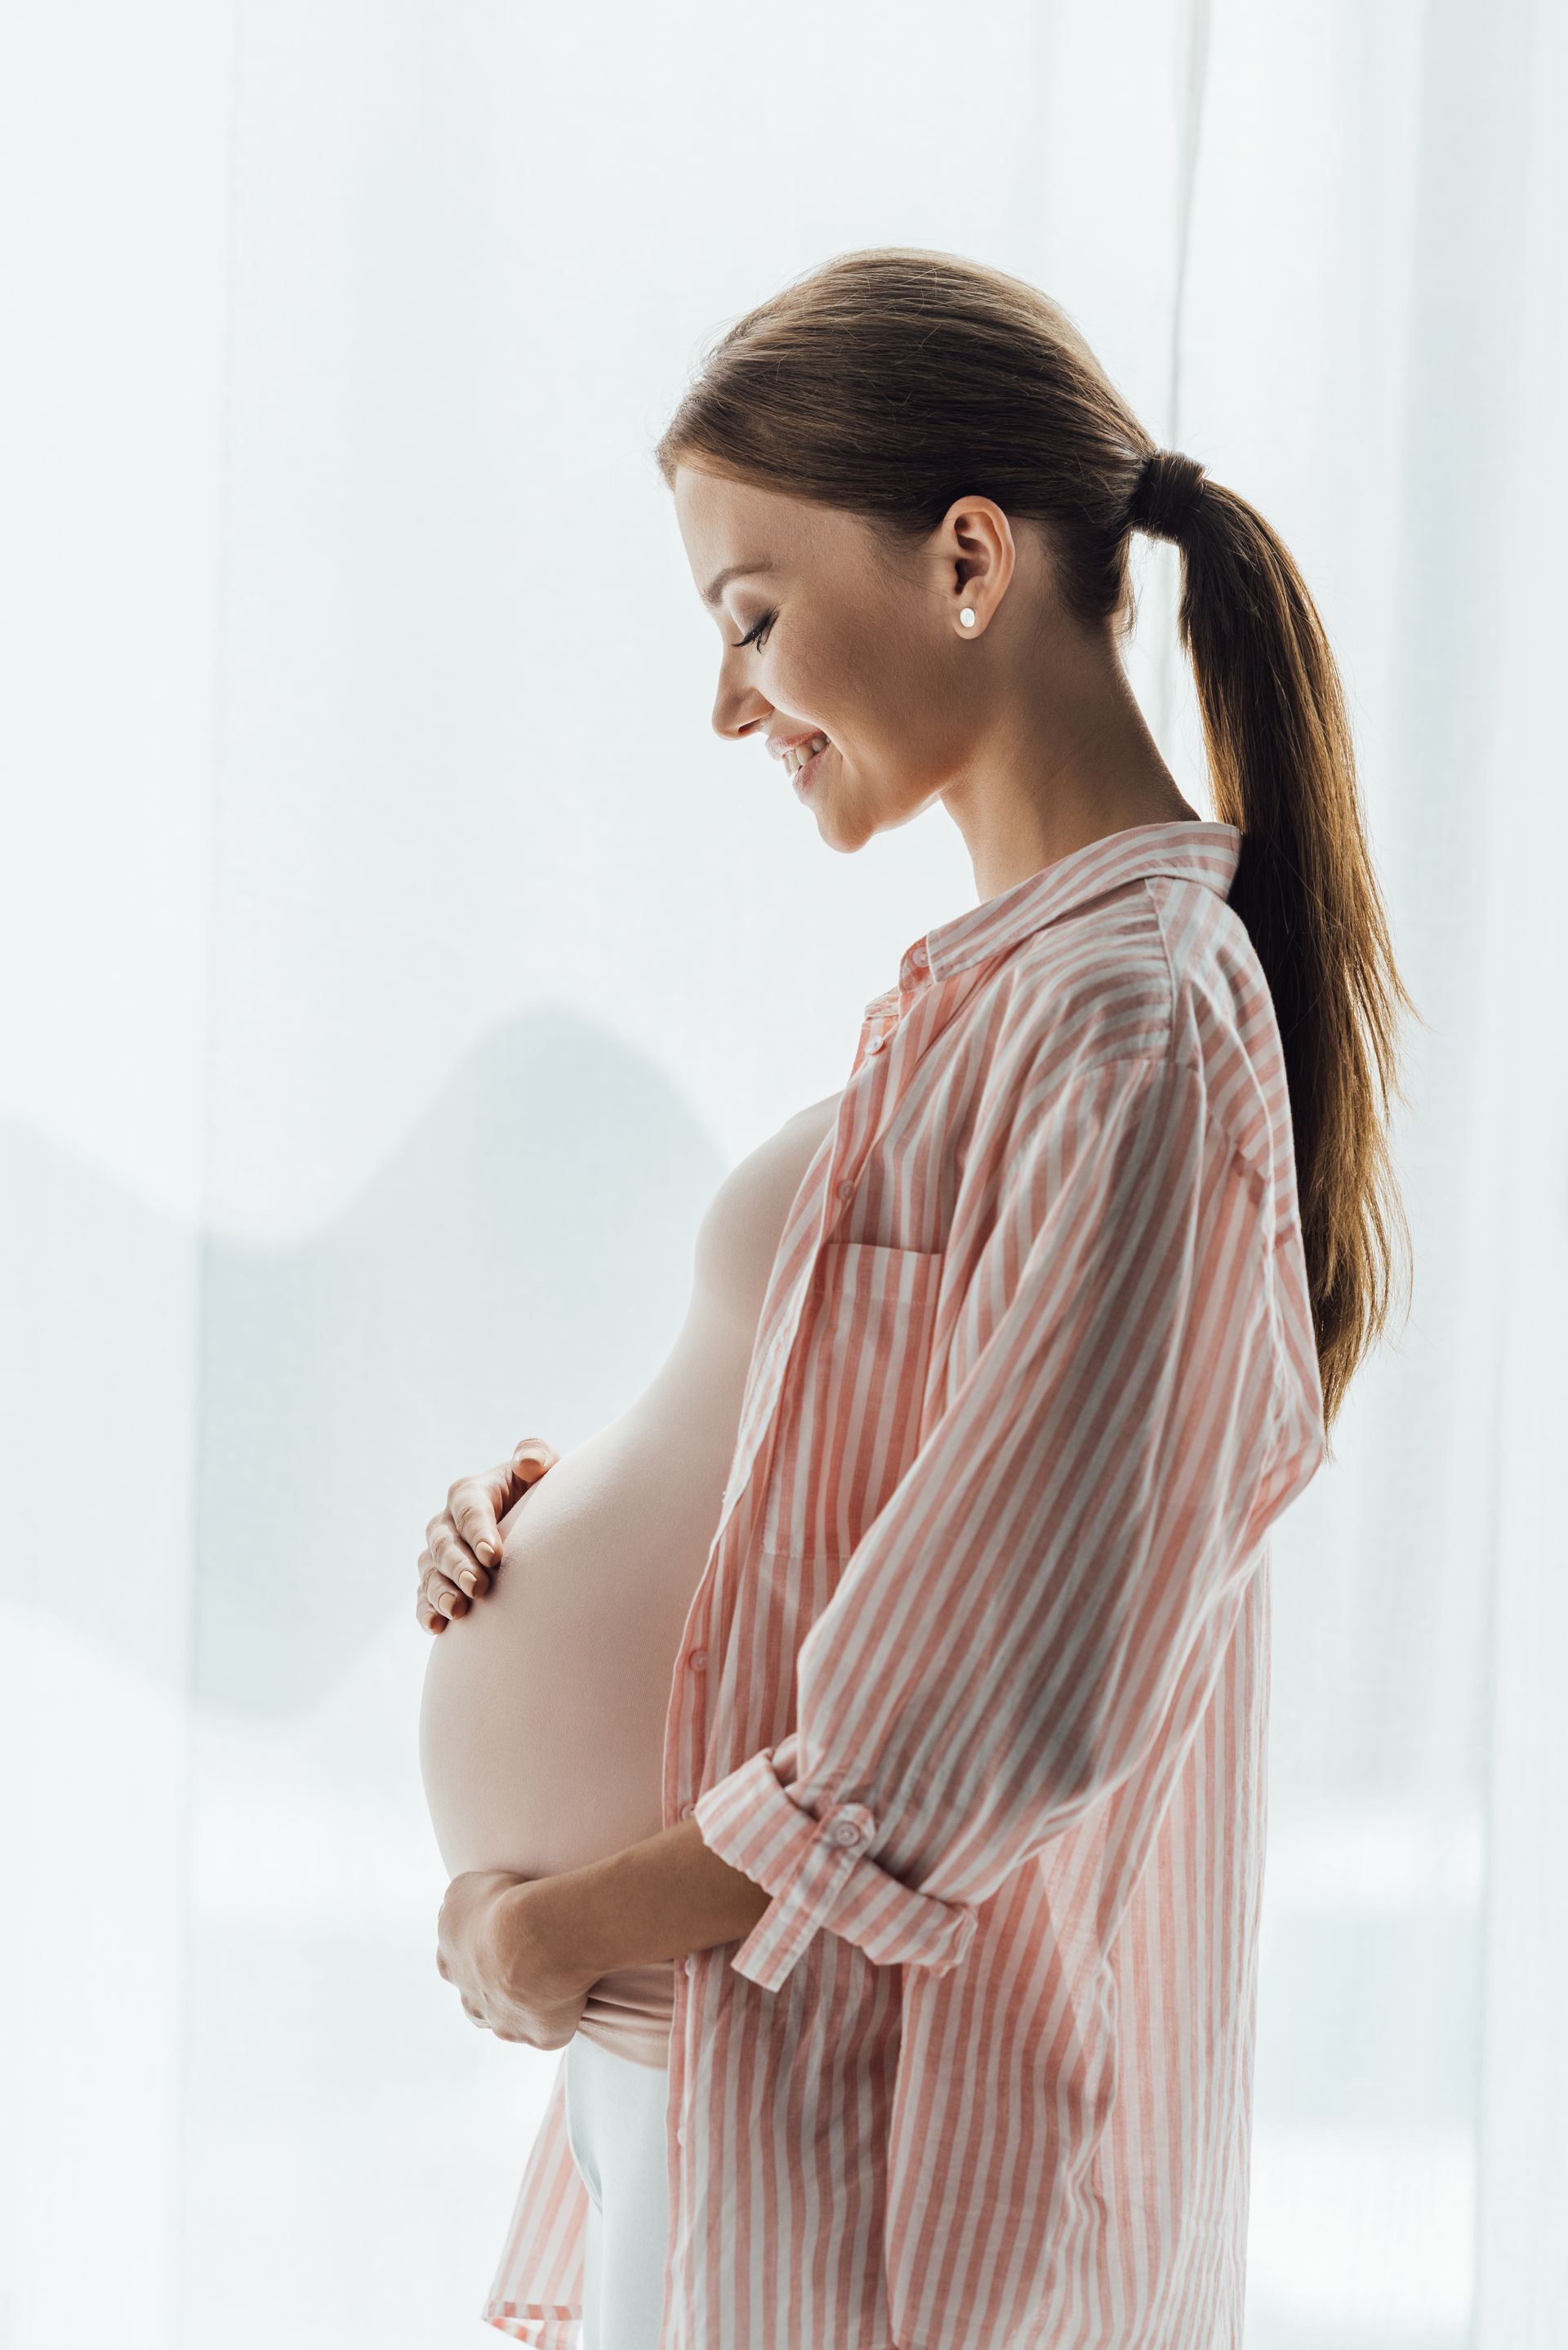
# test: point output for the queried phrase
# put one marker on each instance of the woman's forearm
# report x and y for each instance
(656, 1900)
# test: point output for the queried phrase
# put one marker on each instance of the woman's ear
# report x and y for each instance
(978, 556)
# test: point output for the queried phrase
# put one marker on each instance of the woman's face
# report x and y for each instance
(827, 631)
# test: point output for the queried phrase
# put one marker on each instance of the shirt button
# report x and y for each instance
(692, 1963)
(679, 2137)
(875, 1043)
(846, 1189)
(844, 1832)
(687, 1810)
(697, 1660)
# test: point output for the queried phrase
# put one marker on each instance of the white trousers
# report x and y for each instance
(616, 2128)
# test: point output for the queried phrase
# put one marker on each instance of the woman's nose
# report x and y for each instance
(738, 714)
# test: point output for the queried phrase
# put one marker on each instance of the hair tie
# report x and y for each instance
(1164, 493)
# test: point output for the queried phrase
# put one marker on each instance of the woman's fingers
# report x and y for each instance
(463, 1543)
(475, 1505)
(438, 1587)
(471, 1522)
(455, 1558)
(452, 1565)
(531, 1456)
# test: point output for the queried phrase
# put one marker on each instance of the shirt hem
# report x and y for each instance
(545, 2326)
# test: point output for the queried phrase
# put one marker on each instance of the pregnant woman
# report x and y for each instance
(856, 1760)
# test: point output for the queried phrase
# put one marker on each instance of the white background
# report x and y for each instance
(394, 960)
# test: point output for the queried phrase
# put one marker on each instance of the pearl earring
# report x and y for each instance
(967, 615)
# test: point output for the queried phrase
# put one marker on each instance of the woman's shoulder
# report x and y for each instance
(1166, 973)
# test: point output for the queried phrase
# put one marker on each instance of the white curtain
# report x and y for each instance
(372, 872)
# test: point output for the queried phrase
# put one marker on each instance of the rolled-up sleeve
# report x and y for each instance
(1005, 1641)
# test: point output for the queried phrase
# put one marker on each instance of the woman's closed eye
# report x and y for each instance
(756, 632)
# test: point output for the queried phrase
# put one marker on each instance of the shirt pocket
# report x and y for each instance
(854, 1398)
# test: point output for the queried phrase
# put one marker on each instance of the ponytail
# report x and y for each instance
(1282, 768)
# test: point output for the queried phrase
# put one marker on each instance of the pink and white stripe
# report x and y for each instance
(975, 1682)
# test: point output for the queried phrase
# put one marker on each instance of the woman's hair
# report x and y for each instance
(891, 383)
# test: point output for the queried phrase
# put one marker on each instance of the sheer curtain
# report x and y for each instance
(374, 876)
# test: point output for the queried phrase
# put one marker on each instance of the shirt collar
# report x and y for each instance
(1189, 850)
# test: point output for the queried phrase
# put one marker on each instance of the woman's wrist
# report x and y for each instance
(654, 1900)
(534, 1949)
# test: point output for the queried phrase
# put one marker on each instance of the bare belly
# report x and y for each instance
(542, 1725)
(542, 1719)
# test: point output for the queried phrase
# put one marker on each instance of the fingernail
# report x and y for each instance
(485, 1554)
(468, 1583)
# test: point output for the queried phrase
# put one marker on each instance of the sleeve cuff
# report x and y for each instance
(820, 1873)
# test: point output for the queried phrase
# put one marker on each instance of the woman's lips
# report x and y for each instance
(802, 777)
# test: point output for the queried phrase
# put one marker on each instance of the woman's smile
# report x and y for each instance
(798, 754)
(803, 763)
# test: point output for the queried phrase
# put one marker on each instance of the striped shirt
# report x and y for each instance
(975, 1681)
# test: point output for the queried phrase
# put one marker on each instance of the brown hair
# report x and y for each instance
(890, 382)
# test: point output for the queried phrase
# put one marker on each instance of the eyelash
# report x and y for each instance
(756, 632)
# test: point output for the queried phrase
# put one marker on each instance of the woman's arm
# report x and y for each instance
(1048, 1589)
(656, 1900)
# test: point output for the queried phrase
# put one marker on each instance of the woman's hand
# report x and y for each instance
(485, 1948)
(464, 1542)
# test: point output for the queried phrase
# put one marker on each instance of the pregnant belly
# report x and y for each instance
(542, 1719)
